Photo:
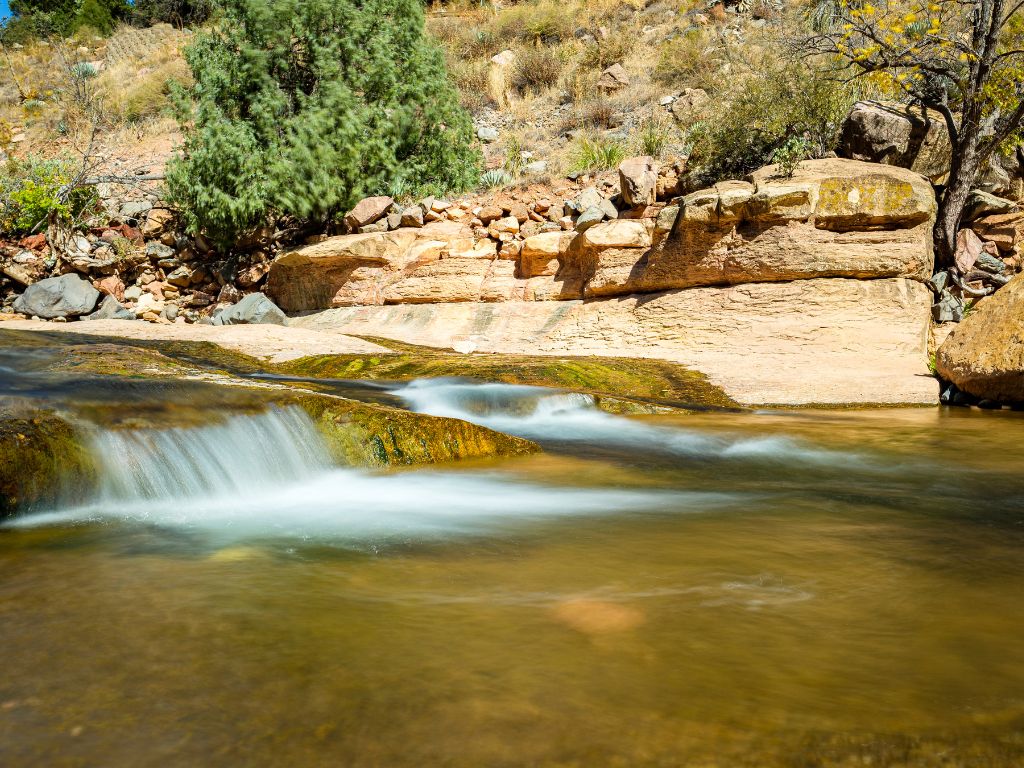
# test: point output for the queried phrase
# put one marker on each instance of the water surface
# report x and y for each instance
(772, 589)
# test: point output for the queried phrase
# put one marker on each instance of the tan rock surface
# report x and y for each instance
(269, 342)
(833, 218)
(984, 355)
(809, 341)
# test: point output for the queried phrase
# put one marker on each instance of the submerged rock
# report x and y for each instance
(41, 461)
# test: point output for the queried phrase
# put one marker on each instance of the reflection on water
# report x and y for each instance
(801, 589)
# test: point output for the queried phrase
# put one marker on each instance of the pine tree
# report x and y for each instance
(302, 107)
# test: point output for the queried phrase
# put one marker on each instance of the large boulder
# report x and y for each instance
(917, 139)
(254, 309)
(984, 355)
(832, 218)
(64, 296)
(896, 134)
(378, 267)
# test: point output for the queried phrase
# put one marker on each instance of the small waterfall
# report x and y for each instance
(571, 418)
(238, 456)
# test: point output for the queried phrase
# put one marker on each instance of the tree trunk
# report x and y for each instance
(962, 173)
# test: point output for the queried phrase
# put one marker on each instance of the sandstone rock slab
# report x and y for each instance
(810, 341)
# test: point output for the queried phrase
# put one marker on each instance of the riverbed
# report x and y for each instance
(772, 588)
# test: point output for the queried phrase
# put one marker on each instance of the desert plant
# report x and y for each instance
(788, 156)
(495, 178)
(536, 68)
(32, 189)
(596, 153)
(300, 108)
(654, 136)
(768, 107)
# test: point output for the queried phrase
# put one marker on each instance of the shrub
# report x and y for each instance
(601, 54)
(180, 13)
(689, 60)
(302, 107)
(545, 22)
(536, 68)
(788, 156)
(62, 17)
(33, 188)
(768, 108)
(597, 153)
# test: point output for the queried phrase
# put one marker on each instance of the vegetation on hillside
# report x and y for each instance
(300, 109)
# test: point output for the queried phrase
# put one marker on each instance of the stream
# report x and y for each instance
(780, 588)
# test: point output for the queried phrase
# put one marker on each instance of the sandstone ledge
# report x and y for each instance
(819, 341)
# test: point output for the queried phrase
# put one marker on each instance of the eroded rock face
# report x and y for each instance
(984, 355)
(64, 296)
(833, 218)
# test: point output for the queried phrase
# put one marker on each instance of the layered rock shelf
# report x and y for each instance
(806, 289)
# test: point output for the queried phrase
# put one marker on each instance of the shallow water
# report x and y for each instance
(773, 589)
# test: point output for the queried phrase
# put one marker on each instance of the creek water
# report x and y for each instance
(804, 588)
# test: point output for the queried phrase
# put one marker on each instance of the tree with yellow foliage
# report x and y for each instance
(962, 58)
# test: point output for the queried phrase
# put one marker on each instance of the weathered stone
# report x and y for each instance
(254, 309)
(981, 203)
(614, 78)
(1004, 229)
(181, 277)
(487, 134)
(135, 210)
(689, 106)
(895, 134)
(589, 218)
(156, 251)
(540, 253)
(412, 216)
(64, 296)
(591, 198)
(111, 309)
(638, 180)
(834, 218)
(948, 309)
(445, 280)
(111, 286)
(968, 248)
(984, 355)
(157, 221)
(367, 211)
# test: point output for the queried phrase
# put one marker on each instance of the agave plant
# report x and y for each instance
(495, 178)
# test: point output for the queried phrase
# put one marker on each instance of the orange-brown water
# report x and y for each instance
(854, 599)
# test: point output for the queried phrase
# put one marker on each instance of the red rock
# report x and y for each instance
(111, 286)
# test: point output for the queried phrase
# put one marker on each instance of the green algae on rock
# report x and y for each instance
(41, 460)
(362, 434)
(627, 383)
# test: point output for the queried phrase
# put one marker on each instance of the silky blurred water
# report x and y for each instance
(776, 589)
